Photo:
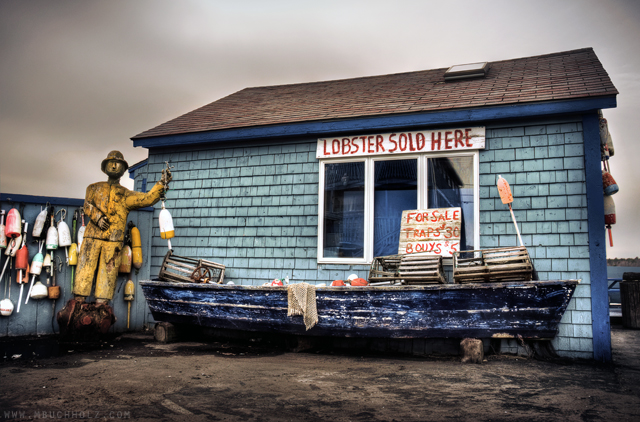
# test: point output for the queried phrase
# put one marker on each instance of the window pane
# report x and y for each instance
(450, 184)
(344, 210)
(395, 190)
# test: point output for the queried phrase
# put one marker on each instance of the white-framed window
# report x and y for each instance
(361, 200)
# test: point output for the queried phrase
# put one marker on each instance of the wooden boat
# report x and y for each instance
(530, 309)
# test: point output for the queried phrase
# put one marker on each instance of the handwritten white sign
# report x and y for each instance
(430, 232)
(456, 139)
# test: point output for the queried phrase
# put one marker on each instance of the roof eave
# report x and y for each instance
(385, 122)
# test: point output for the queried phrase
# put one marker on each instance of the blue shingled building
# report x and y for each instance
(272, 181)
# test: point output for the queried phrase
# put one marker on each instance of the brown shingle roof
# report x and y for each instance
(558, 76)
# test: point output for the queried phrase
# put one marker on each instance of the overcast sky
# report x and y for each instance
(78, 78)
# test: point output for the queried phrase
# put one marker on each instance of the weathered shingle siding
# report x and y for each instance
(253, 209)
(544, 164)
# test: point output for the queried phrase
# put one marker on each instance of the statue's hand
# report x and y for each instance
(103, 223)
(166, 177)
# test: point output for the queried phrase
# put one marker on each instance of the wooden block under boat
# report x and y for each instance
(188, 270)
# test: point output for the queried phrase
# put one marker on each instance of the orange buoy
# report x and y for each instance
(359, 282)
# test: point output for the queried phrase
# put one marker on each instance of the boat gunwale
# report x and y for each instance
(435, 287)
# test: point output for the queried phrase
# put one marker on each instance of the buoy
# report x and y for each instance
(39, 223)
(36, 269)
(14, 245)
(39, 291)
(136, 248)
(13, 228)
(52, 236)
(604, 130)
(3, 235)
(22, 264)
(73, 260)
(337, 283)
(507, 198)
(129, 293)
(10, 252)
(609, 215)
(47, 262)
(64, 234)
(164, 219)
(125, 260)
(610, 148)
(81, 231)
(6, 307)
(166, 225)
(359, 282)
(609, 184)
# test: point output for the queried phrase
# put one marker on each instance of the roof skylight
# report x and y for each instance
(464, 71)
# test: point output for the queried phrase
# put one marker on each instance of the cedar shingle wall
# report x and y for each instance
(544, 164)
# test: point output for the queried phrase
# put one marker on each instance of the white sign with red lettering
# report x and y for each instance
(464, 138)
(430, 232)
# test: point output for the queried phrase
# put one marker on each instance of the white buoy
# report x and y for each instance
(64, 235)
(166, 225)
(39, 224)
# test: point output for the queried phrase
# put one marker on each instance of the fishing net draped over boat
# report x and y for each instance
(302, 301)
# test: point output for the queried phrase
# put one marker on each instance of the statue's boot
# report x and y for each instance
(85, 321)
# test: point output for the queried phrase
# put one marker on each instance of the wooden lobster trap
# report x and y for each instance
(384, 268)
(188, 270)
(421, 269)
(492, 265)
(407, 269)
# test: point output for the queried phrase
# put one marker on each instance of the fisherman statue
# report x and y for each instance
(107, 204)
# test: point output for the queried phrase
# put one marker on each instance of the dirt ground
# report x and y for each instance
(135, 377)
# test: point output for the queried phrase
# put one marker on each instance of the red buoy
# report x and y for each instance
(609, 215)
(13, 226)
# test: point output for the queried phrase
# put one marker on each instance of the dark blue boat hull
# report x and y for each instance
(500, 310)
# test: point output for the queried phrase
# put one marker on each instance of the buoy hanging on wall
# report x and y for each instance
(136, 248)
(129, 293)
(609, 215)
(125, 260)
(36, 269)
(164, 219)
(13, 228)
(52, 236)
(39, 223)
(64, 234)
(3, 234)
(22, 264)
(609, 184)
(605, 139)
(166, 225)
(81, 231)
